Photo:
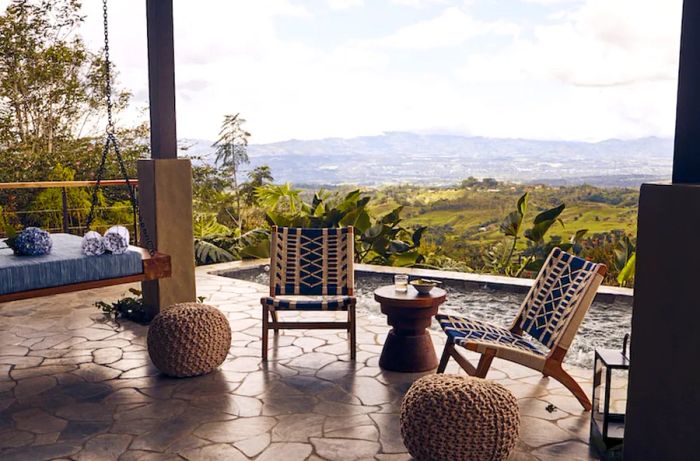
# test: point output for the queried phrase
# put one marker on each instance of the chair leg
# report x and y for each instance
(446, 353)
(570, 383)
(273, 314)
(265, 332)
(485, 363)
(353, 331)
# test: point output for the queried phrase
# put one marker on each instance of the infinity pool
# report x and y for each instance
(604, 326)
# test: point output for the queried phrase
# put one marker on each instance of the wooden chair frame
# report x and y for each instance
(548, 365)
(270, 319)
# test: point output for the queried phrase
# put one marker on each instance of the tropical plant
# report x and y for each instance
(280, 198)
(625, 261)
(509, 257)
(379, 240)
(207, 232)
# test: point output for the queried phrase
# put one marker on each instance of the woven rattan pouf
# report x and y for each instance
(189, 339)
(454, 418)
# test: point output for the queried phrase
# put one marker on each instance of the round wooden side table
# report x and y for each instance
(408, 347)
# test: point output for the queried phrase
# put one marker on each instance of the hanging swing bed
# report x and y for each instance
(66, 268)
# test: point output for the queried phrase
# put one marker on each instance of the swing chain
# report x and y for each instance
(110, 139)
(108, 68)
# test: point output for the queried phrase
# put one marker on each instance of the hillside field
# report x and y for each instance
(469, 216)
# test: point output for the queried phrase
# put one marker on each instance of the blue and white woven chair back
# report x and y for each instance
(559, 299)
(310, 262)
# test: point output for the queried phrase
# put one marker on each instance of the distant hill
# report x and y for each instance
(399, 157)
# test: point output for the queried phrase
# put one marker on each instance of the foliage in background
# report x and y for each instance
(616, 250)
(379, 240)
(216, 228)
(511, 257)
(278, 199)
(257, 177)
(231, 151)
(625, 261)
(51, 87)
(207, 231)
(52, 108)
(464, 222)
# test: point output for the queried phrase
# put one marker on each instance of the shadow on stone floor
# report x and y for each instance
(75, 386)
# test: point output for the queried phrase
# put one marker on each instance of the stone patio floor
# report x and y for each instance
(74, 385)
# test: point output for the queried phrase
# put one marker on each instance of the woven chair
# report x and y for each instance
(310, 270)
(550, 315)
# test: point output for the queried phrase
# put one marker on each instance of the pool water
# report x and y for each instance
(603, 327)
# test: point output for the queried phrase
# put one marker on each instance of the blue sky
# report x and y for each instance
(306, 69)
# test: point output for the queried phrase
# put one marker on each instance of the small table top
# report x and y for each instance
(411, 298)
(613, 359)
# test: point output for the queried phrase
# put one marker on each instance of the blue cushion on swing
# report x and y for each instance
(65, 265)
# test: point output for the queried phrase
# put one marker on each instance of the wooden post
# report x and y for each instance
(161, 78)
(64, 209)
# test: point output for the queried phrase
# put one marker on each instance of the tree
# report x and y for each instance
(51, 86)
(52, 91)
(258, 177)
(232, 151)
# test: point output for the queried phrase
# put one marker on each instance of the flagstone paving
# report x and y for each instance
(74, 385)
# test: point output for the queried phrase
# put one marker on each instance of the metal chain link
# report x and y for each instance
(108, 68)
(112, 140)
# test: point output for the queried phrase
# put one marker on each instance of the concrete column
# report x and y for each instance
(165, 183)
(664, 381)
(165, 195)
(686, 152)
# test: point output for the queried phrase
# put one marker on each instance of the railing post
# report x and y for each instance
(135, 218)
(64, 208)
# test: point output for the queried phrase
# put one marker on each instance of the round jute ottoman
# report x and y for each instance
(447, 417)
(189, 339)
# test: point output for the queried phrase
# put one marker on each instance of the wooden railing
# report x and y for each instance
(64, 186)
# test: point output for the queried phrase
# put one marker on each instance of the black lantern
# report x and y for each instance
(608, 413)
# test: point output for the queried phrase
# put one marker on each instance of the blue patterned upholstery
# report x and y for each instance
(543, 330)
(332, 304)
(545, 313)
(463, 330)
(65, 265)
(307, 263)
(311, 261)
(555, 295)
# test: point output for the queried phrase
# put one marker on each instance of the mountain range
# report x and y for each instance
(429, 159)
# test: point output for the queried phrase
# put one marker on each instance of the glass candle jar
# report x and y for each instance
(401, 283)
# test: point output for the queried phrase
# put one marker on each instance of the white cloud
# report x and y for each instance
(453, 27)
(226, 62)
(419, 3)
(551, 2)
(600, 44)
(613, 66)
(344, 4)
(600, 69)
